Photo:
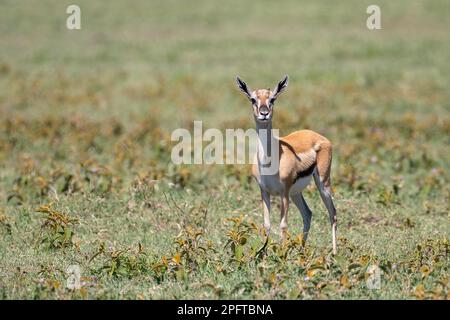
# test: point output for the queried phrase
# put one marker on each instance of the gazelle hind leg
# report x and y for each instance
(306, 213)
(325, 194)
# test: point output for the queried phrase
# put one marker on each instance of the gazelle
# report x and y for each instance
(301, 155)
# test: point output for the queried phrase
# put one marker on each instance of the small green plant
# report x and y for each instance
(191, 248)
(57, 229)
(244, 241)
(122, 263)
(5, 223)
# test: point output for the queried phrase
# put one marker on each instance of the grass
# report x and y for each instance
(85, 171)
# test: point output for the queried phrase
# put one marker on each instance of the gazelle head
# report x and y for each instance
(262, 100)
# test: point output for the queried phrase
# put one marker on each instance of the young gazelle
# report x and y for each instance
(301, 155)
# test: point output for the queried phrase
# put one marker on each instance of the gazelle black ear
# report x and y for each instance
(281, 86)
(243, 87)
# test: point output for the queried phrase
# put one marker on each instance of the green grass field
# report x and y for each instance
(86, 177)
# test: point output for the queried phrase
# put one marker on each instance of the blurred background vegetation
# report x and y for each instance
(85, 123)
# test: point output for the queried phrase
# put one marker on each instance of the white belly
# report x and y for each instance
(300, 184)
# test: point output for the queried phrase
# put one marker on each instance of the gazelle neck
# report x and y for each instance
(265, 141)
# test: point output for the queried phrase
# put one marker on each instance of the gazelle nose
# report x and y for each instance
(264, 112)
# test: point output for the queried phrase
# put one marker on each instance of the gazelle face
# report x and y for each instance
(262, 100)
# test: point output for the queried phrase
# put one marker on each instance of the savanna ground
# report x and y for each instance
(85, 171)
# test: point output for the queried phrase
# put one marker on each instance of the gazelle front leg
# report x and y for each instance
(265, 196)
(284, 216)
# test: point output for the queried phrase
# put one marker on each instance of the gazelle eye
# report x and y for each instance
(253, 100)
(272, 101)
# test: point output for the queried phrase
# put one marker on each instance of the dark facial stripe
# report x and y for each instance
(305, 173)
